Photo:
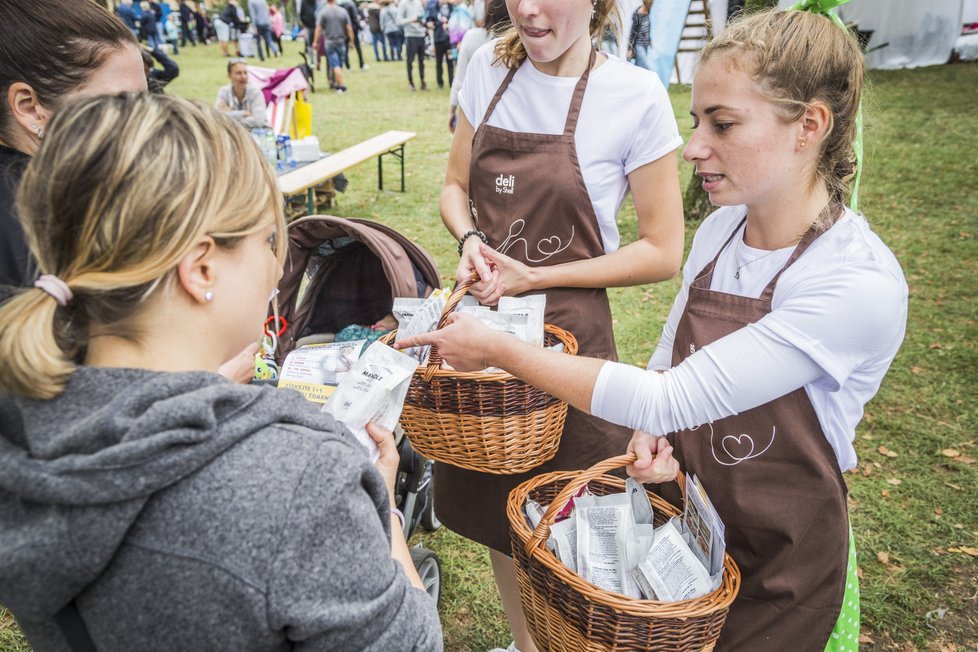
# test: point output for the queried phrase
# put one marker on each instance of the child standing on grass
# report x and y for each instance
(790, 314)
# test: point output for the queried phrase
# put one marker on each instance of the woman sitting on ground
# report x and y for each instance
(142, 495)
(242, 101)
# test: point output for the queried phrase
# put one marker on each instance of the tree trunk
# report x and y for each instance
(696, 203)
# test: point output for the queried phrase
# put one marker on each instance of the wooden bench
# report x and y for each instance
(306, 178)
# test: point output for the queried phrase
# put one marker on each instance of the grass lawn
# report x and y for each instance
(914, 497)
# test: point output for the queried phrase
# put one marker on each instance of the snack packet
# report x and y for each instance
(533, 307)
(372, 391)
(315, 370)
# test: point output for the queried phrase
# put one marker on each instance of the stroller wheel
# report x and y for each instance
(429, 568)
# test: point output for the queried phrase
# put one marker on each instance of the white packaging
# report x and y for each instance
(315, 370)
(424, 320)
(563, 536)
(373, 391)
(306, 149)
(533, 307)
(604, 524)
(641, 505)
(670, 570)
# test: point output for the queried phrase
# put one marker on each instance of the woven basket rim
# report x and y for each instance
(705, 605)
(566, 337)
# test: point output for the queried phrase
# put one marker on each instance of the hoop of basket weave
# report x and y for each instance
(565, 612)
(482, 421)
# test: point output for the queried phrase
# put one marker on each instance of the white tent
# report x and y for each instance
(905, 33)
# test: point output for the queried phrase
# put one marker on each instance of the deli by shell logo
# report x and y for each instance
(505, 184)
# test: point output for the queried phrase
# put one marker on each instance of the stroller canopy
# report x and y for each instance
(355, 267)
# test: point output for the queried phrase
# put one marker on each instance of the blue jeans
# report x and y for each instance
(643, 56)
(396, 39)
(379, 36)
(335, 53)
(265, 34)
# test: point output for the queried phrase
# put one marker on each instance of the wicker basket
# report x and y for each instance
(565, 612)
(481, 421)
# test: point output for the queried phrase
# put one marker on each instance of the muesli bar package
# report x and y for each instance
(373, 391)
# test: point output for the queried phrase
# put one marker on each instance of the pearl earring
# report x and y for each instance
(802, 143)
(39, 131)
(208, 296)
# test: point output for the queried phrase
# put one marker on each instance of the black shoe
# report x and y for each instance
(424, 86)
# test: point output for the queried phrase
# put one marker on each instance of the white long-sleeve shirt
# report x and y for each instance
(838, 318)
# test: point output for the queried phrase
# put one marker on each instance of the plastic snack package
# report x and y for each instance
(604, 525)
(315, 370)
(373, 391)
(533, 307)
(424, 319)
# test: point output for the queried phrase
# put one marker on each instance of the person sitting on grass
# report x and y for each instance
(242, 101)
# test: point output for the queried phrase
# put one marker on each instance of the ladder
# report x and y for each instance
(697, 30)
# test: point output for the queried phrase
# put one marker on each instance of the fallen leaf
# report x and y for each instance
(894, 481)
(915, 371)
(867, 470)
(966, 550)
(935, 345)
(966, 459)
(938, 511)
(886, 451)
(859, 572)
(885, 493)
(952, 485)
(950, 452)
(883, 557)
(866, 640)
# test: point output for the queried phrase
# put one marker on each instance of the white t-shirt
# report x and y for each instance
(626, 121)
(837, 319)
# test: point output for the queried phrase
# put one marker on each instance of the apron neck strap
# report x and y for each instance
(705, 277)
(570, 126)
(806, 240)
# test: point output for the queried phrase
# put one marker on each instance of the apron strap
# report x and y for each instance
(578, 99)
(705, 278)
(570, 126)
(499, 93)
(806, 240)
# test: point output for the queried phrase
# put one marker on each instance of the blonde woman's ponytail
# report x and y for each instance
(34, 363)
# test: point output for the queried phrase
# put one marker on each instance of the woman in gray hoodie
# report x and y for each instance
(146, 503)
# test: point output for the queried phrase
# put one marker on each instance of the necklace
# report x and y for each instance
(773, 251)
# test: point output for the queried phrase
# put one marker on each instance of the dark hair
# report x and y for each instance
(54, 46)
(496, 13)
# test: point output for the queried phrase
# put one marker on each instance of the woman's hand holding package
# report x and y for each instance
(388, 461)
(655, 463)
(463, 343)
(487, 289)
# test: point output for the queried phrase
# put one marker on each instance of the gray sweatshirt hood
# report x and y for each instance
(76, 471)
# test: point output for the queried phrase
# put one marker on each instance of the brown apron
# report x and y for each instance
(775, 482)
(527, 194)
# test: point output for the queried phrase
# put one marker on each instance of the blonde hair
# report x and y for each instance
(510, 48)
(797, 58)
(123, 188)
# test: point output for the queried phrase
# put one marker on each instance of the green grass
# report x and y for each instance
(918, 192)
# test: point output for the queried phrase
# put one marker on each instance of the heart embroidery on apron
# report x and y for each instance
(548, 246)
(743, 447)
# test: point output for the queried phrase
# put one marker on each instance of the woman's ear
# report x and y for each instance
(29, 114)
(196, 272)
(815, 123)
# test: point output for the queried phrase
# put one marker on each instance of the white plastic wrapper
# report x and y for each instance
(533, 307)
(373, 391)
(563, 534)
(671, 571)
(641, 505)
(423, 320)
(604, 525)
(315, 370)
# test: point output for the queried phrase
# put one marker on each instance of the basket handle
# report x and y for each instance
(460, 290)
(542, 531)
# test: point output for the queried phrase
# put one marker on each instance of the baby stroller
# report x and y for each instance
(348, 272)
